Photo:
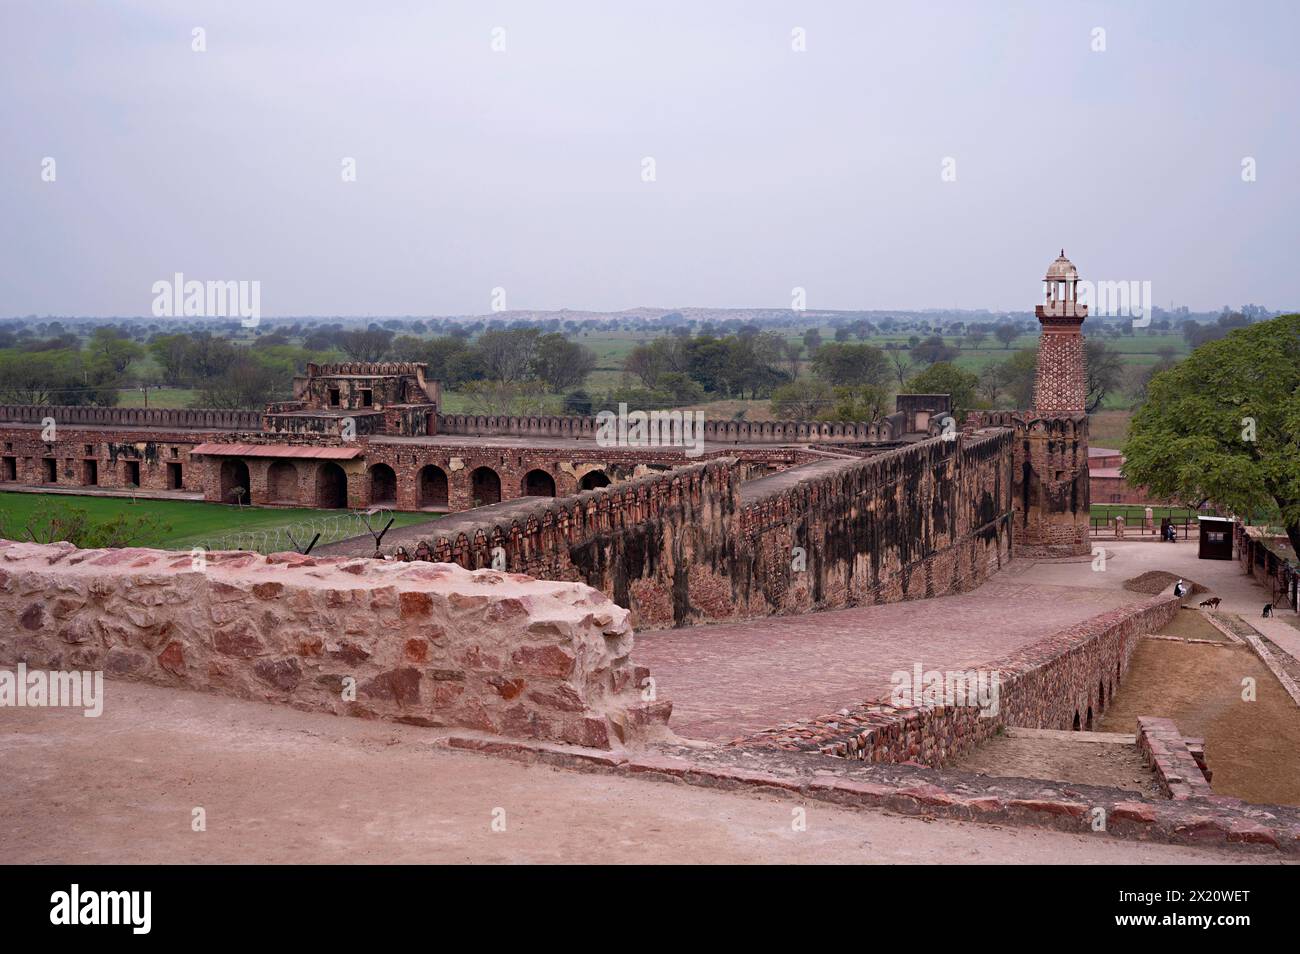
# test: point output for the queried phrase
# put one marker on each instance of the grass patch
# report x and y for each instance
(186, 523)
(159, 397)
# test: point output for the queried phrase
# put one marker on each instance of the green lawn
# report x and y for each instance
(193, 523)
(1134, 513)
(158, 397)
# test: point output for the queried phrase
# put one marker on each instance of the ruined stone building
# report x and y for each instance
(893, 508)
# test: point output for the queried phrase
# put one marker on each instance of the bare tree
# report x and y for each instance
(369, 345)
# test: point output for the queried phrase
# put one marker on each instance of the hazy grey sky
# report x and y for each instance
(523, 169)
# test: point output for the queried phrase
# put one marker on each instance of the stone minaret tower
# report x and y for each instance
(1061, 387)
(1051, 452)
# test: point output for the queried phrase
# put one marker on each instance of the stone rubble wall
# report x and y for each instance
(426, 644)
(1179, 772)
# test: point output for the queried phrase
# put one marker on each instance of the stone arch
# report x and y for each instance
(383, 485)
(1076, 720)
(594, 479)
(282, 482)
(433, 486)
(1088, 725)
(537, 483)
(331, 486)
(484, 486)
(234, 476)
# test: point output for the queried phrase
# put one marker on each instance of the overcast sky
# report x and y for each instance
(523, 169)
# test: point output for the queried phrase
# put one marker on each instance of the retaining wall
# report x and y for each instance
(430, 645)
(1068, 676)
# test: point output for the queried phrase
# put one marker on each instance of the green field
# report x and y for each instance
(194, 523)
(1134, 513)
(612, 347)
(158, 397)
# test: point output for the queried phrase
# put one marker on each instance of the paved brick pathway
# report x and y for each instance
(736, 678)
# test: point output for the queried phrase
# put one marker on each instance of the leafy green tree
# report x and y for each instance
(933, 350)
(850, 365)
(945, 378)
(577, 402)
(561, 364)
(114, 350)
(867, 402)
(706, 361)
(1224, 425)
(1017, 374)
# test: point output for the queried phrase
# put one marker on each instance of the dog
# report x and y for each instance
(1268, 609)
(1213, 603)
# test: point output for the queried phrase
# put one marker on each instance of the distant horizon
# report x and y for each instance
(655, 313)
(411, 158)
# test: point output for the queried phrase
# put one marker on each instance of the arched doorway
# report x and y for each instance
(538, 483)
(433, 486)
(593, 479)
(484, 487)
(282, 482)
(383, 486)
(234, 481)
(331, 486)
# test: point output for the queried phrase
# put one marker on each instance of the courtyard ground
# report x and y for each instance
(282, 786)
(732, 679)
(1223, 578)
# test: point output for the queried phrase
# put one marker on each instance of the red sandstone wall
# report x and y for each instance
(715, 432)
(694, 544)
(424, 644)
(1051, 492)
(923, 520)
(23, 456)
(642, 542)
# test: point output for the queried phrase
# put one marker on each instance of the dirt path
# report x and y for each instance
(1191, 624)
(1088, 763)
(292, 787)
(1253, 748)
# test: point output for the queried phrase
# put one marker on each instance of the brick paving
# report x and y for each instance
(735, 679)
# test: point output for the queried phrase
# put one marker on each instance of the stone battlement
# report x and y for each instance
(198, 419)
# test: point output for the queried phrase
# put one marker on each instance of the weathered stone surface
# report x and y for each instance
(467, 651)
